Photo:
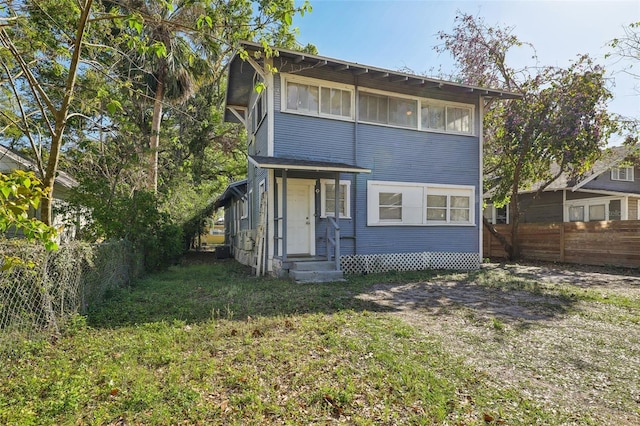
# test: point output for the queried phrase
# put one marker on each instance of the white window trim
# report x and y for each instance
(289, 78)
(323, 198)
(587, 202)
(375, 187)
(426, 101)
(615, 174)
(494, 216)
(244, 207)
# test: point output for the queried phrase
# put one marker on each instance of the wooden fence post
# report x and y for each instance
(562, 225)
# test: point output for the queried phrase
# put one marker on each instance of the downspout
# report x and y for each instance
(355, 161)
(481, 173)
(284, 215)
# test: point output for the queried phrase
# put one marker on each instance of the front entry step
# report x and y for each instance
(315, 272)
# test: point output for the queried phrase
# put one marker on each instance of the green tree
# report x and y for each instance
(191, 40)
(20, 195)
(561, 119)
(42, 46)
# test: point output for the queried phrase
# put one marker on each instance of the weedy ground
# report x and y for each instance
(207, 343)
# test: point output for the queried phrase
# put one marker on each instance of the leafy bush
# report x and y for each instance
(20, 193)
(136, 218)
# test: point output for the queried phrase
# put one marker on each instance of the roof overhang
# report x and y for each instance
(241, 72)
(280, 163)
(236, 189)
(62, 178)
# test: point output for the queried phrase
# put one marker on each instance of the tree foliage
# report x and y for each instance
(560, 120)
(20, 195)
(94, 86)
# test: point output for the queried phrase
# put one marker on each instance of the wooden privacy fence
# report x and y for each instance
(612, 243)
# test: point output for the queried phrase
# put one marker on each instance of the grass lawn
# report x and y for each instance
(209, 344)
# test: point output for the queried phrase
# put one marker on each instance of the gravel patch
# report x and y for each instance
(557, 334)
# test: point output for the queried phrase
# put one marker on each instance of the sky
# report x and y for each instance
(399, 34)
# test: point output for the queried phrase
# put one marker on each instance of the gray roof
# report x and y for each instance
(24, 163)
(240, 82)
(303, 164)
(610, 158)
(235, 189)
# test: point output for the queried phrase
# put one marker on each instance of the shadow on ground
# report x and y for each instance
(203, 288)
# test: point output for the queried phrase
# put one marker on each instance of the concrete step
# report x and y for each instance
(316, 276)
(313, 265)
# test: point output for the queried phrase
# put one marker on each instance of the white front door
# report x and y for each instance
(300, 217)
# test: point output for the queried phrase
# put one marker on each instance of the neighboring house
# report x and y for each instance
(609, 191)
(404, 152)
(10, 160)
(235, 215)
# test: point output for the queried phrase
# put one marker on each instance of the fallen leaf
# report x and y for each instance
(488, 418)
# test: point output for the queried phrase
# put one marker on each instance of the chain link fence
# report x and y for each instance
(46, 288)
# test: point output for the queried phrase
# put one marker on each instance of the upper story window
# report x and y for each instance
(328, 99)
(388, 110)
(259, 110)
(455, 119)
(622, 173)
(415, 113)
(313, 98)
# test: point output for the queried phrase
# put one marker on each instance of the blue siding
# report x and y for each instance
(402, 155)
(261, 144)
(315, 138)
(393, 154)
(604, 182)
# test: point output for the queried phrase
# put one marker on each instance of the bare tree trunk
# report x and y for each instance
(501, 238)
(154, 139)
(61, 117)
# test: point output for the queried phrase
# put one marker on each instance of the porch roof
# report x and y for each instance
(308, 165)
(235, 189)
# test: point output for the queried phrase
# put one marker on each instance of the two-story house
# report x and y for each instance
(610, 190)
(397, 156)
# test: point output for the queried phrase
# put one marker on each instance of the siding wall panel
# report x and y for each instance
(604, 182)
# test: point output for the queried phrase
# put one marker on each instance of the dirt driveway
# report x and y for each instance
(566, 338)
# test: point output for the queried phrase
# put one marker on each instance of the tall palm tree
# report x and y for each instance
(188, 42)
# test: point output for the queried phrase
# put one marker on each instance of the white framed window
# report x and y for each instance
(622, 173)
(419, 204)
(317, 97)
(446, 117)
(595, 209)
(259, 111)
(384, 109)
(415, 113)
(446, 205)
(496, 215)
(328, 198)
(309, 96)
(244, 207)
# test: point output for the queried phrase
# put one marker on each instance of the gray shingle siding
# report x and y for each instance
(604, 182)
(546, 208)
